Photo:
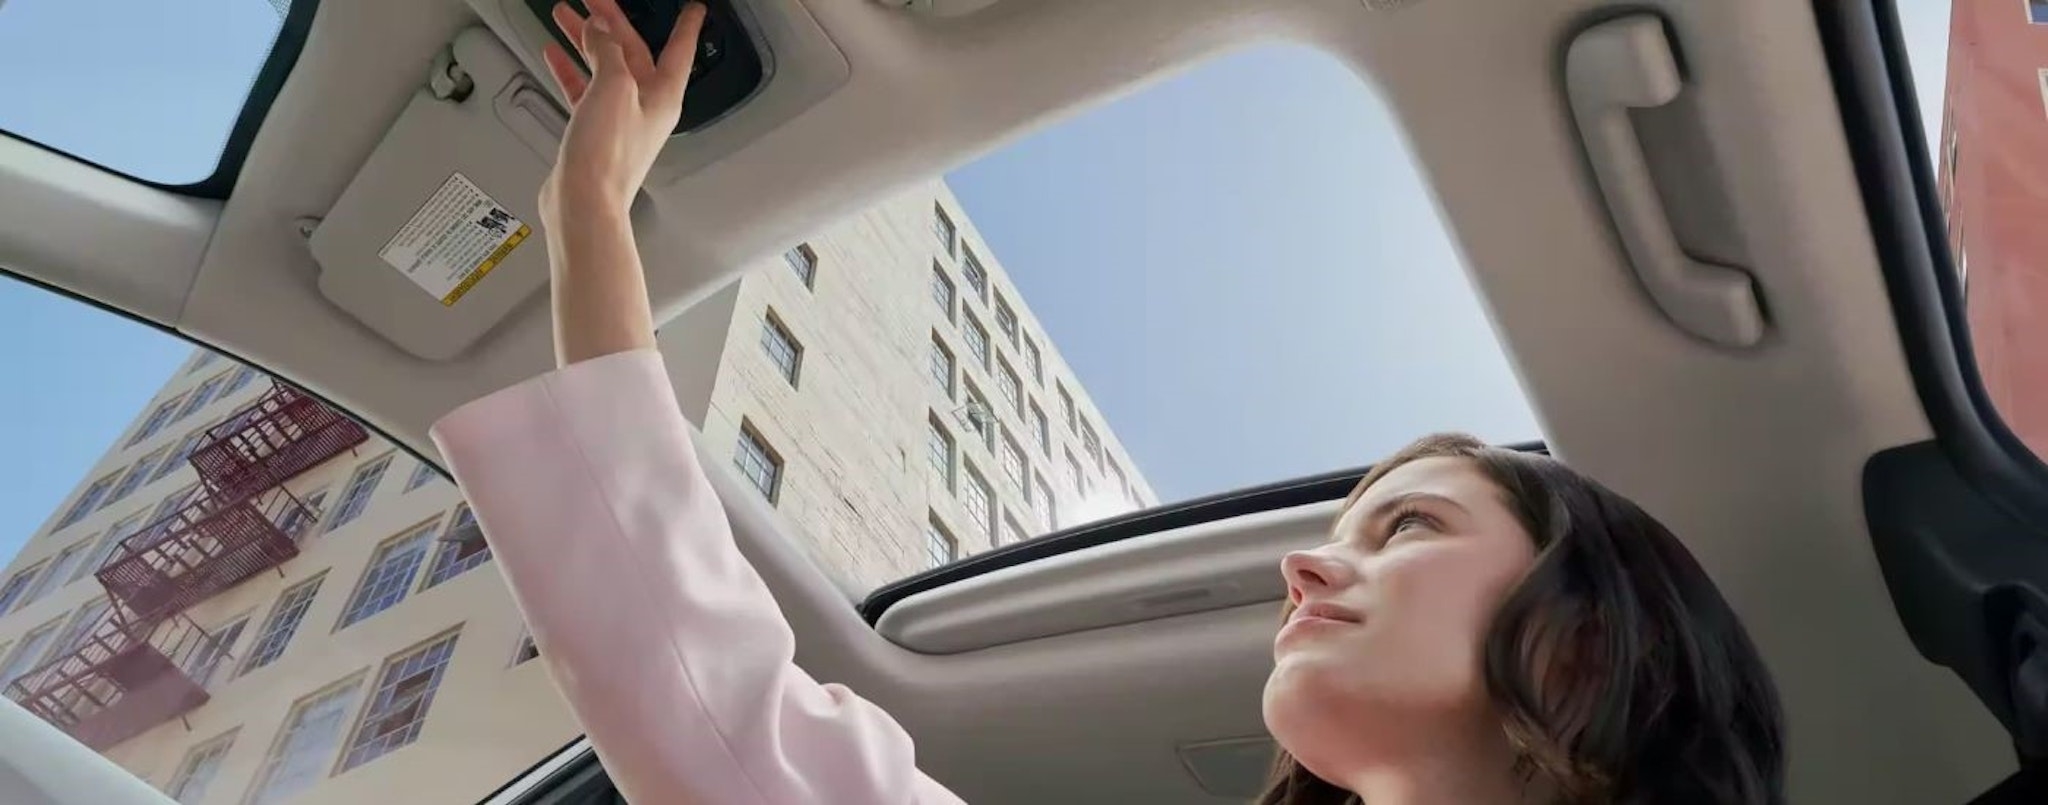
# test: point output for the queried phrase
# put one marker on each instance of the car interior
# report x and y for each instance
(1706, 235)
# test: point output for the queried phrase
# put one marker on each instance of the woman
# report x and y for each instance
(1485, 626)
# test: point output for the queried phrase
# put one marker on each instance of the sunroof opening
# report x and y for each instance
(1231, 278)
(148, 89)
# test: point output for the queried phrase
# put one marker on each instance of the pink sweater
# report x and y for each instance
(665, 642)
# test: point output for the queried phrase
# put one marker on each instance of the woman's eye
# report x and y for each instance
(1409, 522)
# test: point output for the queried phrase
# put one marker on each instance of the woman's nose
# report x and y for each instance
(1309, 572)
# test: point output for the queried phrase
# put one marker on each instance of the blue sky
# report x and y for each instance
(1252, 284)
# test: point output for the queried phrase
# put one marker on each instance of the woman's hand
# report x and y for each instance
(623, 112)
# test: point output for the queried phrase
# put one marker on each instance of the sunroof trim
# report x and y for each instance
(1221, 506)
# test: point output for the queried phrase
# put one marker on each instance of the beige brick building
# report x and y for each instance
(249, 600)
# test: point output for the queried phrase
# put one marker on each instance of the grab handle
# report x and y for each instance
(1611, 68)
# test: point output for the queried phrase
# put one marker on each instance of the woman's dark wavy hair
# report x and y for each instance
(1620, 674)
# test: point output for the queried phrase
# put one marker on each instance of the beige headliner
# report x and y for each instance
(1753, 457)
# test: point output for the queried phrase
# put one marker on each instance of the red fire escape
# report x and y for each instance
(144, 662)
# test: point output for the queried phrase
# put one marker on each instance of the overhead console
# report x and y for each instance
(728, 70)
(438, 237)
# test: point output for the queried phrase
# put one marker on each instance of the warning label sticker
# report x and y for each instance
(455, 239)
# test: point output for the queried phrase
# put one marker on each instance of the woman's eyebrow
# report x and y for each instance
(1385, 508)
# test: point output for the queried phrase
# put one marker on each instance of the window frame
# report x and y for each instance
(936, 428)
(976, 482)
(374, 469)
(447, 561)
(436, 672)
(289, 600)
(951, 301)
(935, 527)
(263, 89)
(347, 692)
(774, 331)
(213, 749)
(939, 349)
(770, 457)
(803, 262)
(357, 608)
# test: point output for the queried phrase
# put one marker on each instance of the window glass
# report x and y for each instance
(306, 747)
(781, 347)
(803, 263)
(282, 623)
(460, 548)
(355, 497)
(181, 75)
(399, 704)
(758, 463)
(390, 575)
(195, 775)
(1979, 68)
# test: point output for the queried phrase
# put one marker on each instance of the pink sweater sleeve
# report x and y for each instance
(666, 643)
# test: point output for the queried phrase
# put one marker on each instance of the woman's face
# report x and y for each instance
(1390, 620)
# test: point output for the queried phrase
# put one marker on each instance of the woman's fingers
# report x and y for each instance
(566, 72)
(602, 49)
(571, 23)
(681, 52)
(638, 56)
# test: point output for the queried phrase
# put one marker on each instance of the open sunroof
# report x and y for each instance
(166, 93)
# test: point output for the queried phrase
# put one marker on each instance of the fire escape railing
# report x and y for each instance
(144, 662)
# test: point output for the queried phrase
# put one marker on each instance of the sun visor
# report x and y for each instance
(438, 238)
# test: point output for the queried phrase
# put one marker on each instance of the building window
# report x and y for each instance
(2037, 12)
(980, 417)
(356, 496)
(1117, 478)
(399, 705)
(1006, 320)
(420, 476)
(88, 500)
(157, 420)
(29, 652)
(803, 262)
(526, 650)
(1008, 385)
(1048, 509)
(107, 544)
(81, 625)
(942, 365)
(1013, 466)
(940, 548)
(1012, 533)
(197, 770)
(781, 347)
(1041, 430)
(306, 746)
(977, 277)
(460, 548)
(205, 359)
(172, 503)
(136, 476)
(59, 573)
(201, 396)
(758, 462)
(178, 454)
(298, 520)
(943, 291)
(1066, 406)
(1035, 360)
(240, 380)
(205, 662)
(1079, 481)
(1090, 443)
(942, 226)
(939, 450)
(977, 341)
(980, 501)
(282, 624)
(17, 587)
(390, 575)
